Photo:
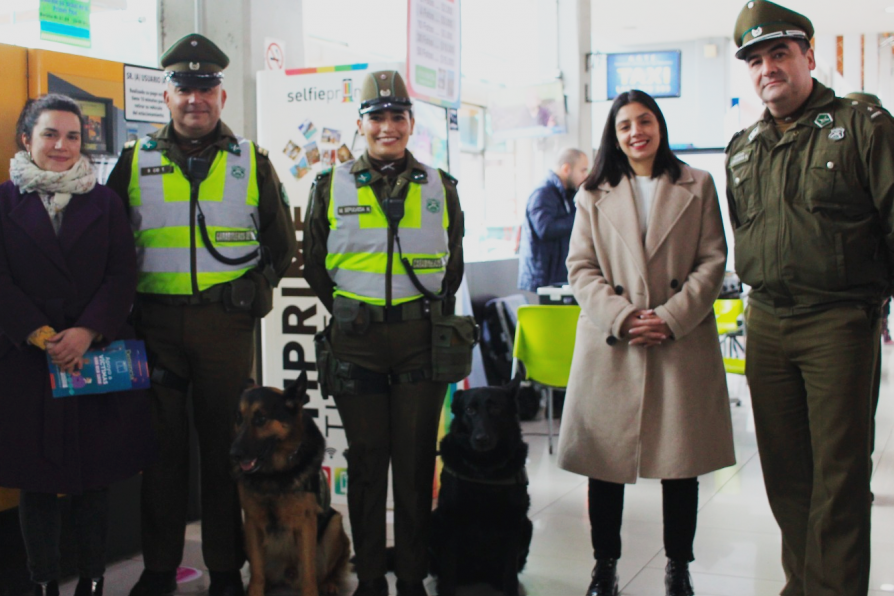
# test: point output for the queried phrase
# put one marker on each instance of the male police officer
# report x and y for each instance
(810, 190)
(214, 234)
(383, 251)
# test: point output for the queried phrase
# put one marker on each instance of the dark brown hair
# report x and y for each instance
(612, 164)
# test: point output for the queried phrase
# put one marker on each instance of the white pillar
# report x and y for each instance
(871, 56)
(575, 33)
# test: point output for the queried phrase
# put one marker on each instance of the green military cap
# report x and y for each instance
(194, 61)
(384, 90)
(865, 98)
(761, 20)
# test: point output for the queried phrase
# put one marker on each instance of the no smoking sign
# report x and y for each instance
(274, 55)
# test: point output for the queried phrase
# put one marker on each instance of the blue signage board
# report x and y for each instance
(656, 73)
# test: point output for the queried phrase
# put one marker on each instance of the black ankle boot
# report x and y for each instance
(89, 587)
(47, 589)
(605, 578)
(677, 580)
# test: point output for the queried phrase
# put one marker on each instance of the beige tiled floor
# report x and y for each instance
(737, 545)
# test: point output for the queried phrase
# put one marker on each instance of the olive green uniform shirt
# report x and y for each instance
(316, 229)
(813, 208)
(276, 231)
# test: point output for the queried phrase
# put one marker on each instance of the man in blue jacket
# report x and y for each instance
(549, 216)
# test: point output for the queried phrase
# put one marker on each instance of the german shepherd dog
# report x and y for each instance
(292, 535)
(480, 529)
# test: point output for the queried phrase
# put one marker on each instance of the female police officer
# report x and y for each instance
(383, 251)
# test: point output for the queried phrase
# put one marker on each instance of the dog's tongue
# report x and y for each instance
(247, 465)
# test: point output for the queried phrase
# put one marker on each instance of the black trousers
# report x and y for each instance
(397, 428)
(680, 512)
(41, 521)
(213, 349)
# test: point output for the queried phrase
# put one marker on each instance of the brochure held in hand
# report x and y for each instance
(120, 366)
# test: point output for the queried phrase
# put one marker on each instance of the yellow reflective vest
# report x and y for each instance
(159, 195)
(357, 247)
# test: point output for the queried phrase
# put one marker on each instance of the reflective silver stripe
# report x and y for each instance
(176, 260)
(372, 285)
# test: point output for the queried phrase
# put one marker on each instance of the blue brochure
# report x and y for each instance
(120, 366)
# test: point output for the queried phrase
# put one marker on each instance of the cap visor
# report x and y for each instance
(742, 52)
(394, 106)
(195, 82)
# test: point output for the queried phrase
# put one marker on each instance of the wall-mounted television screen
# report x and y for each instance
(656, 73)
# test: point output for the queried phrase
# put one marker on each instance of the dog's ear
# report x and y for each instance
(457, 405)
(512, 386)
(296, 393)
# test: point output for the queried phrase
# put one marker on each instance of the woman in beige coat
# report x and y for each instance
(647, 395)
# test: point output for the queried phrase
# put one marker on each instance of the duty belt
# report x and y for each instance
(408, 311)
(211, 295)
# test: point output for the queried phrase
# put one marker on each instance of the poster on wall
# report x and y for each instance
(656, 73)
(534, 111)
(307, 120)
(65, 21)
(433, 51)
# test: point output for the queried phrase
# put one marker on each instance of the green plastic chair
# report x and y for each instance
(727, 312)
(544, 342)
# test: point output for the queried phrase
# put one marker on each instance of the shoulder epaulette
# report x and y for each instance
(130, 144)
(262, 151)
(447, 176)
(733, 140)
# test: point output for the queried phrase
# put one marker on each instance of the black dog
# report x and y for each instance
(480, 529)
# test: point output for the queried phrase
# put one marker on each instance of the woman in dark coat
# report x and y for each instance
(67, 282)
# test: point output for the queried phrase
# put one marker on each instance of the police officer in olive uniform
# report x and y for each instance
(811, 192)
(214, 235)
(383, 251)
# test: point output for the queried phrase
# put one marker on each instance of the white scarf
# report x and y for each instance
(55, 188)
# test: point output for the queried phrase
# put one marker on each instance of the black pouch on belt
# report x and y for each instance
(238, 295)
(325, 362)
(352, 317)
(452, 340)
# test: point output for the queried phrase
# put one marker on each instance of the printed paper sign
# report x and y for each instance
(144, 90)
(433, 51)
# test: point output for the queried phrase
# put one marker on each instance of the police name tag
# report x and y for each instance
(354, 209)
(427, 263)
(837, 134)
(234, 237)
(739, 158)
(156, 170)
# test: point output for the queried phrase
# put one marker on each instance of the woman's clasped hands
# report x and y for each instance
(645, 328)
(67, 347)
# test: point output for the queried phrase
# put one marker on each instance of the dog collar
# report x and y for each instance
(521, 477)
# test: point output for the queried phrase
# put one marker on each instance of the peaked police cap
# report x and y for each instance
(194, 61)
(384, 90)
(761, 20)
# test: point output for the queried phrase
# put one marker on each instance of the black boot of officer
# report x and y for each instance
(677, 581)
(605, 578)
(164, 583)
